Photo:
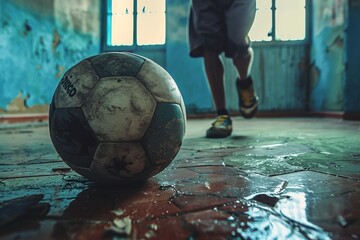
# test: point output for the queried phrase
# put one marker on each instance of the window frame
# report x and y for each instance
(133, 48)
(274, 41)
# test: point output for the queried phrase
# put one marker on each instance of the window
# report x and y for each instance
(281, 20)
(134, 23)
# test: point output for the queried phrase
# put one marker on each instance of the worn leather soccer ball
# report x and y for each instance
(117, 118)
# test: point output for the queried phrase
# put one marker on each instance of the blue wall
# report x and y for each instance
(352, 85)
(39, 40)
(328, 55)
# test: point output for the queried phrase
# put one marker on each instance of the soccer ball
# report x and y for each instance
(117, 118)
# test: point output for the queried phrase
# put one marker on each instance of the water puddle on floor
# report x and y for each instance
(280, 216)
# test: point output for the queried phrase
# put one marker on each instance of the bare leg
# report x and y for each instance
(214, 69)
(248, 101)
(244, 64)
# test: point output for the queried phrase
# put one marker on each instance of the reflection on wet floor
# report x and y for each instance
(274, 179)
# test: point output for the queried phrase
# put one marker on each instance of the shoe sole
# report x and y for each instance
(249, 112)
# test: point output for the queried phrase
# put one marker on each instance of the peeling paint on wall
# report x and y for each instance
(329, 14)
(36, 48)
(19, 105)
(80, 18)
(328, 55)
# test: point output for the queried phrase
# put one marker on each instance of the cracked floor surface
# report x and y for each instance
(284, 178)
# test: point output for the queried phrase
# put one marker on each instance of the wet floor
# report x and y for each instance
(288, 178)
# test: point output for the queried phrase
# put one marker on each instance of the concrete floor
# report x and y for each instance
(285, 178)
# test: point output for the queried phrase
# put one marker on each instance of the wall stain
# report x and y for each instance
(337, 42)
(56, 40)
(60, 71)
(40, 50)
(262, 75)
(27, 28)
(314, 75)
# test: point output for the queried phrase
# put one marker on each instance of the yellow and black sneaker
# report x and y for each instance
(248, 101)
(220, 128)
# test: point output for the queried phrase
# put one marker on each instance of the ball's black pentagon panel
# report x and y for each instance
(164, 137)
(51, 110)
(116, 64)
(72, 136)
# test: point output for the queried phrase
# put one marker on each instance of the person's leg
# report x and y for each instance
(239, 49)
(206, 37)
(243, 64)
(248, 100)
(214, 69)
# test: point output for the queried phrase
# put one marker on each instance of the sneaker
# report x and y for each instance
(248, 101)
(221, 127)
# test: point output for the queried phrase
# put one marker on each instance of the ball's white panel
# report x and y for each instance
(75, 85)
(113, 161)
(119, 109)
(159, 82)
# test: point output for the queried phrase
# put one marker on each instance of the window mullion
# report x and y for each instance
(128, 28)
(135, 14)
(308, 19)
(108, 22)
(273, 13)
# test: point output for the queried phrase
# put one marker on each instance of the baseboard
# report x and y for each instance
(354, 116)
(23, 118)
(277, 114)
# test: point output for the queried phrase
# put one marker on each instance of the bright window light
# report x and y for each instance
(261, 28)
(150, 18)
(121, 22)
(289, 24)
(290, 20)
(151, 22)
